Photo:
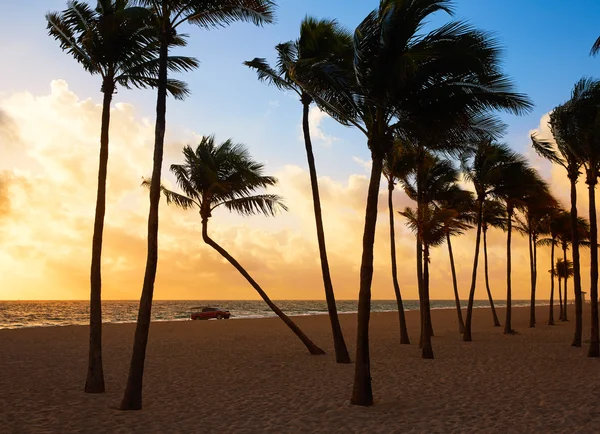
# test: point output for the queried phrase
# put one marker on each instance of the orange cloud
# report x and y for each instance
(47, 199)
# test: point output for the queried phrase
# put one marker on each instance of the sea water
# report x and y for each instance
(19, 314)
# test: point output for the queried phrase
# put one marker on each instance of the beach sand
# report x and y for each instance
(255, 376)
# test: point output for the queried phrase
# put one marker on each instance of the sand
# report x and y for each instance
(253, 376)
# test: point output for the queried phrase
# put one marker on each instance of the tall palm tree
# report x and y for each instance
(584, 130)
(432, 224)
(168, 16)
(396, 166)
(226, 176)
(488, 166)
(537, 210)
(320, 40)
(564, 239)
(404, 81)
(462, 202)
(112, 40)
(521, 184)
(438, 180)
(494, 215)
(561, 152)
(557, 219)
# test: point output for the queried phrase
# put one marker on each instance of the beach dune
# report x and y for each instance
(255, 376)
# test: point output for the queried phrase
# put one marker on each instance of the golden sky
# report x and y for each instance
(48, 175)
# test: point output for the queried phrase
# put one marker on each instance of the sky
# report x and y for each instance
(49, 134)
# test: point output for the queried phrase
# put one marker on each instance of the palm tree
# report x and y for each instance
(564, 270)
(401, 82)
(537, 210)
(225, 175)
(584, 111)
(168, 16)
(320, 40)
(115, 42)
(396, 166)
(494, 215)
(521, 184)
(564, 239)
(432, 223)
(438, 179)
(461, 201)
(561, 152)
(488, 166)
(557, 220)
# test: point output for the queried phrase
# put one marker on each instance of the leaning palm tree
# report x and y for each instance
(494, 216)
(168, 16)
(396, 165)
(404, 81)
(487, 165)
(226, 176)
(320, 40)
(115, 42)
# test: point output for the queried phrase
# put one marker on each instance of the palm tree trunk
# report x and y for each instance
(420, 287)
(461, 324)
(594, 349)
(532, 279)
(561, 312)
(566, 308)
(404, 339)
(94, 382)
(427, 350)
(132, 398)
(552, 273)
(467, 335)
(341, 351)
(362, 393)
(508, 322)
(573, 175)
(312, 348)
(487, 280)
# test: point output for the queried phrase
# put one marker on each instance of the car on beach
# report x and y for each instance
(209, 312)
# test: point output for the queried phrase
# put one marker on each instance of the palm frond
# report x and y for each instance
(266, 204)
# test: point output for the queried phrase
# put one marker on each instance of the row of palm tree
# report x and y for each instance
(426, 103)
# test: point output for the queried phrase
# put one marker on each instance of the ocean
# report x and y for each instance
(20, 314)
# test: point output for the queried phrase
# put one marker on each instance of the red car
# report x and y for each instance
(208, 313)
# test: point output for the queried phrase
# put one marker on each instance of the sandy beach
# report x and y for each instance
(254, 376)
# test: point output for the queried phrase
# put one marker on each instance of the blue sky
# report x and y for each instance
(547, 46)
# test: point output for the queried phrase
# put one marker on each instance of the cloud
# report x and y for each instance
(47, 202)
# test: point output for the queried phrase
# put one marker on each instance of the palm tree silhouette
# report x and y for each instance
(462, 202)
(320, 40)
(397, 165)
(583, 109)
(537, 210)
(487, 165)
(438, 180)
(226, 176)
(563, 155)
(494, 216)
(404, 82)
(168, 16)
(115, 42)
